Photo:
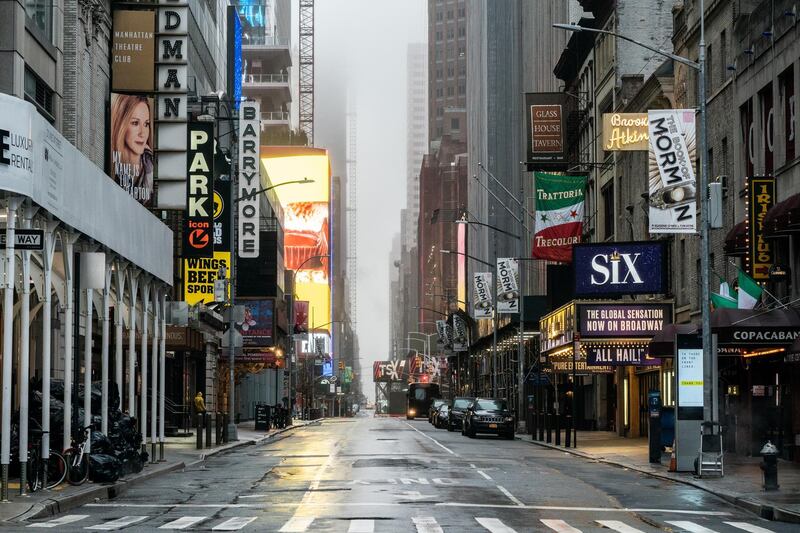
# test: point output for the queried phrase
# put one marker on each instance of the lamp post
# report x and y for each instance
(311, 330)
(290, 358)
(700, 66)
(232, 433)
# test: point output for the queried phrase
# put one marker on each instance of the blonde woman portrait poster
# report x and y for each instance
(132, 145)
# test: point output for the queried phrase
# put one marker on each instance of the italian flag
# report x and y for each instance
(559, 216)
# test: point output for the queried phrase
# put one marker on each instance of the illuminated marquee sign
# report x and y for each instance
(760, 198)
(625, 132)
(623, 320)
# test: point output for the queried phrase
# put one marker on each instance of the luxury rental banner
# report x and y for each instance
(507, 285)
(672, 185)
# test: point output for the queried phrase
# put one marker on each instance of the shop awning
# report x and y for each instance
(663, 343)
(736, 240)
(756, 328)
(783, 217)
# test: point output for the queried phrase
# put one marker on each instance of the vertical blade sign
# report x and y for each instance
(198, 238)
(249, 178)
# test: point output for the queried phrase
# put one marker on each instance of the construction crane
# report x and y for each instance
(306, 76)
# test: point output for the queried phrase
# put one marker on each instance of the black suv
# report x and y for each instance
(488, 415)
(457, 410)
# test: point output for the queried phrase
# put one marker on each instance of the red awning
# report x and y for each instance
(736, 240)
(663, 343)
(783, 217)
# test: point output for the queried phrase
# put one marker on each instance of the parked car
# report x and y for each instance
(441, 416)
(457, 410)
(488, 415)
(435, 407)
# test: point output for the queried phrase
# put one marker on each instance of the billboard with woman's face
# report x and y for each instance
(132, 145)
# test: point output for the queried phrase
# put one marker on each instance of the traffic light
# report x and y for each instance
(341, 365)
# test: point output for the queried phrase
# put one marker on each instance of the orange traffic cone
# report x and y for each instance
(673, 461)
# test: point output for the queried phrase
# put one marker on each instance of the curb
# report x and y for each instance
(766, 511)
(54, 506)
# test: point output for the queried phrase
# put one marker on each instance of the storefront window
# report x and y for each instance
(41, 13)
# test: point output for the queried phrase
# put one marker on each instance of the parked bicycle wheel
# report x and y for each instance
(78, 471)
(56, 470)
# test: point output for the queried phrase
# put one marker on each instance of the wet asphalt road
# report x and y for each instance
(379, 474)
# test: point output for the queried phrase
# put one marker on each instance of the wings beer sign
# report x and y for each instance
(620, 268)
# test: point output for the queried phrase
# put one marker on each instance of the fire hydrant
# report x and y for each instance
(770, 466)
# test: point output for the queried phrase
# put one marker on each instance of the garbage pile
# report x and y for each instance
(111, 456)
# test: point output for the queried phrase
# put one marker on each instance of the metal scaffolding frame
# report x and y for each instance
(306, 76)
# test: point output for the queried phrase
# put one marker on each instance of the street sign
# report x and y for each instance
(539, 379)
(25, 239)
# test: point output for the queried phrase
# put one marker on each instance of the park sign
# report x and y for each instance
(620, 268)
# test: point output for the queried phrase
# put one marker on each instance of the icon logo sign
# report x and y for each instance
(200, 206)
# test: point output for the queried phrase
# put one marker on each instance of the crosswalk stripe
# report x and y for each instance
(616, 525)
(426, 524)
(691, 526)
(118, 523)
(361, 526)
(61, 520)
(233, 524)
(559, 525)
(297, 524)
(752, 528)
(183, 522)
(494, 525)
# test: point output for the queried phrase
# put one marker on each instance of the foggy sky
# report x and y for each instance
(360, 53)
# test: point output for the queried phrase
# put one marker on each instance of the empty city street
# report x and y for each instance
(368, 474)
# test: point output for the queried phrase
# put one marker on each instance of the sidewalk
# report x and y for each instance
(179, 452)
(742, 484)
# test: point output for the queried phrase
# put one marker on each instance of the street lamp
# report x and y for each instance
(232, 433)
(700, 67)
(481, 261)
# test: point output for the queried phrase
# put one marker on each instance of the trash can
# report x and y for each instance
(770, 466)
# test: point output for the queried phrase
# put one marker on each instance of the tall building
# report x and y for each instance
(416, 130)
(447, 70)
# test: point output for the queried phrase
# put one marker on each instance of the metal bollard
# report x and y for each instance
(207, 422)
(540, 423)
(225, 428)
(161, 458)
(548, 419)
(4, 483)
(568, 431)
(153, 459)
(217, 429)
(558, 429)
(23, 479)
(199, 431)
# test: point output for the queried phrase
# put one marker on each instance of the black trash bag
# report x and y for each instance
(131, 461)
(113, 398)
(101, 443)
(104, 468)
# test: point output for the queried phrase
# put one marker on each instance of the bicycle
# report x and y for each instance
(43, 474)
(78, 471)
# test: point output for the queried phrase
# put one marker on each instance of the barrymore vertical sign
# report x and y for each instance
(249, 178)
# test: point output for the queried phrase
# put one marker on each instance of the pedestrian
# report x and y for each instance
(199, 404)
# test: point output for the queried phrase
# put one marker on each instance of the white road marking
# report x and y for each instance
(234, 524)
(426, 524)
(118, 523)
(439, 444)
(61, 520)
(621, 527)
(297, 524)
(494, 525)
(390, 504)
(183, 522)
(510, 496)
(691, 526)
(472, 465)
(749, 527)
(361, 526)
(559, 525)
(484, 474)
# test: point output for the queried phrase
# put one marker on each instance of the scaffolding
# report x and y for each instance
(306, 76)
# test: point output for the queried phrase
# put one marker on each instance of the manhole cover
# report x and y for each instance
(389, 462)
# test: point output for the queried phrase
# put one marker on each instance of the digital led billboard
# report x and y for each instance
(306, 225)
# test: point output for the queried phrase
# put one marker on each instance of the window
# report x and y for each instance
(451, 33)
(38, 93)
(454, 124)
(709, 69)
(438, 36)
(450, 91)
(462, 12)
(438, 74)
(746, 120)
(439, 111)
(439, 92)
(439, 16)
(451, 71)
(723, 55)
(767, 126)
(787, 97)
(40, 12)
(711, 162)
(450, 14)
(608, 211)
(462, 89)
(462, 32)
